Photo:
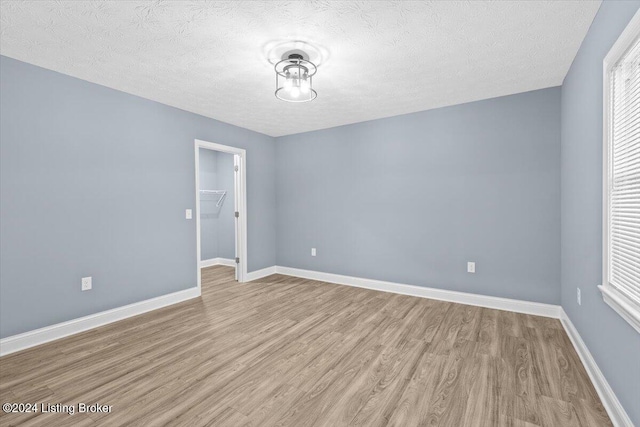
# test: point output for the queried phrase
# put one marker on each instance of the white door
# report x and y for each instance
(236, 208)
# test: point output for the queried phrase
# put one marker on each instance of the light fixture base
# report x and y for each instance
(295, 53)
(277, 50)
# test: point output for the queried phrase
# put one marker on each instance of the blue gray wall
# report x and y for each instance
(95, 182)
(614, 344)
(217, 223)
(412, 198)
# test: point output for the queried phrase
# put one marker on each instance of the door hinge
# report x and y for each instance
(237, 260)
(237, 214)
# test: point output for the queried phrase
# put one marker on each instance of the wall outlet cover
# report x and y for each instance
(86, 283)
(188, 214)
(471, 267)
(313, 251)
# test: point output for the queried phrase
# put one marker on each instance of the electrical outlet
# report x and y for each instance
(188, 214)
(579, 297)
(86, 283)
(471, 267)
(313, 251)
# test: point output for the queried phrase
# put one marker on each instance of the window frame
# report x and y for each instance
(617, 300)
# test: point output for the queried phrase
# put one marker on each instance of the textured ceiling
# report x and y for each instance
(380, 59)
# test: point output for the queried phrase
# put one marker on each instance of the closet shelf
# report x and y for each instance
(221, 193)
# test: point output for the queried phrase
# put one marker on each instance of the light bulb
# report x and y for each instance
(295, 92)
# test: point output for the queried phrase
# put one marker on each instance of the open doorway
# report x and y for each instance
(221, 208)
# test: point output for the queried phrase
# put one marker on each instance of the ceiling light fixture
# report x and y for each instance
(294, 77)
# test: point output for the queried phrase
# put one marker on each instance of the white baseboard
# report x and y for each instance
(259, 274)
(60, 330)
(609, 400)
(527, 307)
(217, 261)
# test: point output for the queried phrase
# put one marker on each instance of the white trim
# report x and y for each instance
(518, 306)
(624, 41)
(619, 302)
(240, 201)
(259, 274)
(60, 330)
(616, 412)
(217, 261)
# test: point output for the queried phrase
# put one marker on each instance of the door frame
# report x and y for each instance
(240, 201)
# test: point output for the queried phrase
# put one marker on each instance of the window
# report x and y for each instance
(621, 175)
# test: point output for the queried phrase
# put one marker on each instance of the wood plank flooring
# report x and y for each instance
(284, 351)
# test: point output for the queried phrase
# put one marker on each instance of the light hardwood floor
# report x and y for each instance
(284, 351)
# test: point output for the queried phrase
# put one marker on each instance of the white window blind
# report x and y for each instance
(624, 179)
(621, 214)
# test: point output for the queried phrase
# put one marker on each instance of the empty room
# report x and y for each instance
(320, 213)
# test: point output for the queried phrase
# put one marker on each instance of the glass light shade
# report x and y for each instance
(294, 79)
(305, 86)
